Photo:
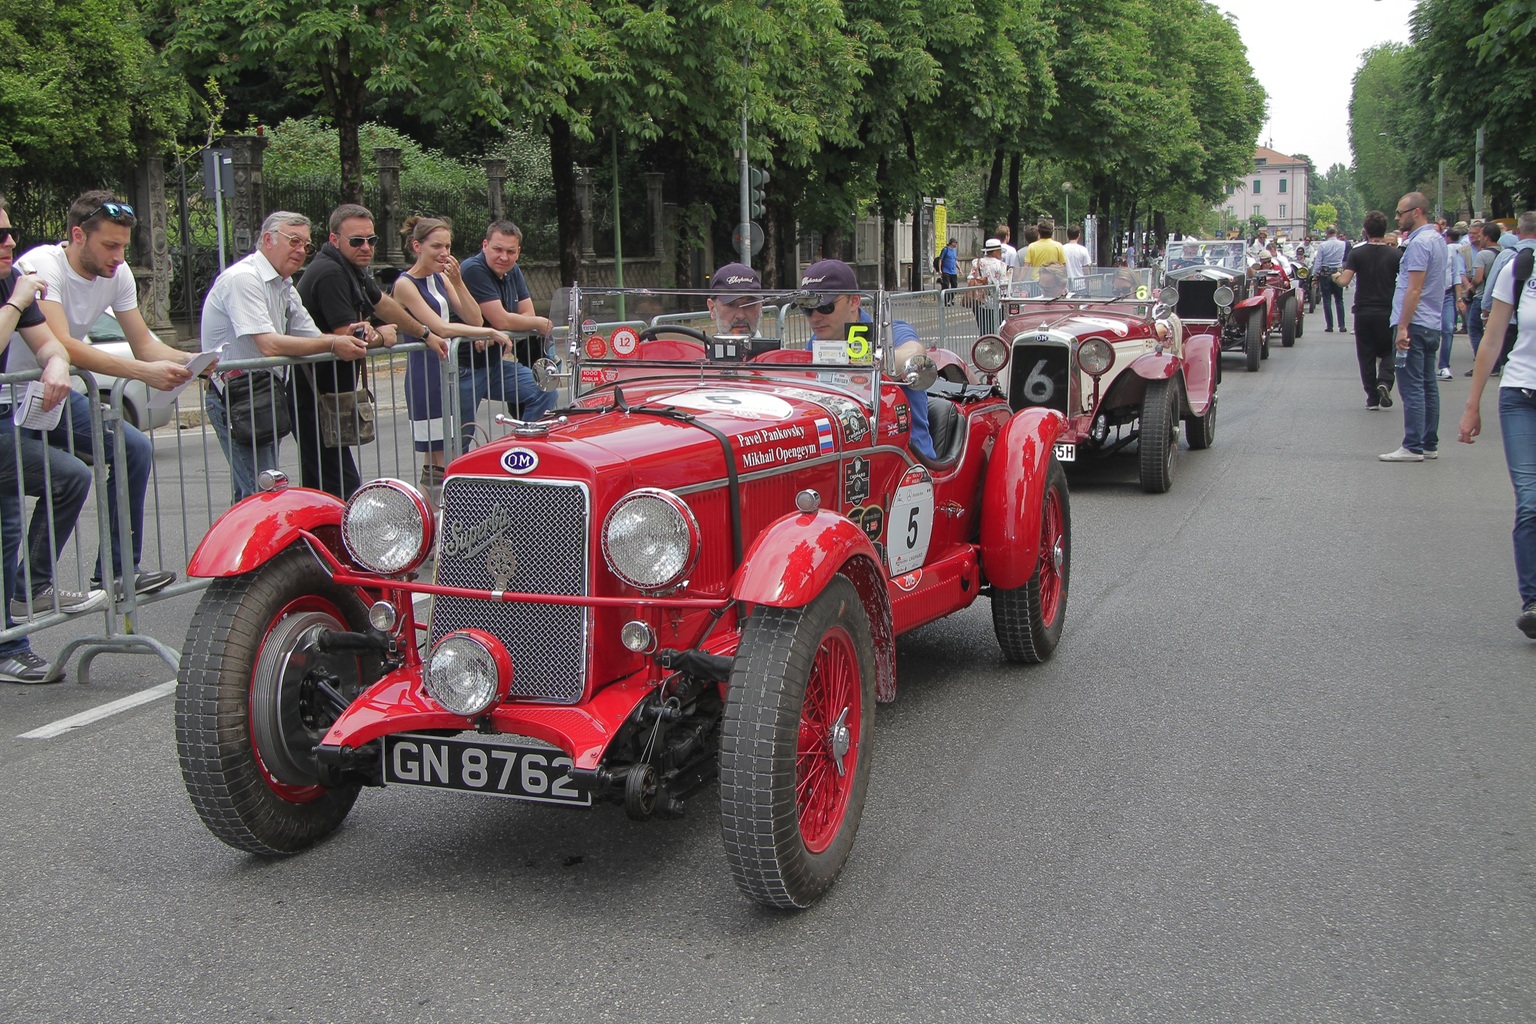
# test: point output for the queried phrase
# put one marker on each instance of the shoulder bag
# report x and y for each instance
(256, 402)
(347, 418)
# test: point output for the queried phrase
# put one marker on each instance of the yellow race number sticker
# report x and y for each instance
(1143, 291)
(857, 343)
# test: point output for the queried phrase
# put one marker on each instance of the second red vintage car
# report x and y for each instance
(698, 567)
(1110, 358)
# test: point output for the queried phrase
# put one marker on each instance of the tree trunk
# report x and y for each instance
(347, 95)
(1015, 165)
(991, 202)
(567, 212)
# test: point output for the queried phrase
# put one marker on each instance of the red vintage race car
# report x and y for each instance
(697, 567)
(1109, 356)
(1231, 297)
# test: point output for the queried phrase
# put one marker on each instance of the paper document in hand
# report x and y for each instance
(29, 412)
(196, 365)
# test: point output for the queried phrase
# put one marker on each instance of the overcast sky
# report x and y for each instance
(1306, 53)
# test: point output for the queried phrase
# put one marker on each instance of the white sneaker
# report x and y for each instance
(1401, 455)
(1443, 373)
(1431, 454)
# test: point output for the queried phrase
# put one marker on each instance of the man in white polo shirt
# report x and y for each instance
(86, 276)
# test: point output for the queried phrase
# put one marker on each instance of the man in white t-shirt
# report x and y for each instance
(1517, 405)
(86, 276)
(1078, 257)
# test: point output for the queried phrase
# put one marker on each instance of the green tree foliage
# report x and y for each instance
(444, 59)
(1337, 189)
(82, 94)
(1384, 129)
(1321, 216)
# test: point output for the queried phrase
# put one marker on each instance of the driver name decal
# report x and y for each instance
(773, 446)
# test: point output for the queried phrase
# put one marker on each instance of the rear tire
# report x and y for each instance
(1028, 619)
(1159, 435)
(800, 707)
(1253, 339)
(1288, 320)
(248, 712)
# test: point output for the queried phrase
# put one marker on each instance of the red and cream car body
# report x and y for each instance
(697, 567)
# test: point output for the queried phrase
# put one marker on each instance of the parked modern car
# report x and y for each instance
(1111, 359)
(107, 334)
(698, 568)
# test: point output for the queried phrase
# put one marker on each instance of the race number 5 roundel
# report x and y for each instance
(910, 527)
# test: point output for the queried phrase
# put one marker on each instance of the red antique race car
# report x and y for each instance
(1110, 358)
(1234, 299)
(697, 567)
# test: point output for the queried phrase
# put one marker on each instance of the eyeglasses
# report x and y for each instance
(9, 235)
(295, 242)
(358, 241)
(113, 210)
(1408, 210)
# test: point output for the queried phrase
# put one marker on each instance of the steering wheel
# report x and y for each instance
(651, 333)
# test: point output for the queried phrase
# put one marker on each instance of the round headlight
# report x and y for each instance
(650, 539)
(387, 527)
(468, 672)
(1224, 296)
(990, 353)
(1095, 356)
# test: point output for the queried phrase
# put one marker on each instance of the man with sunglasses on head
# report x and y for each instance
(339, 292)
(253, 311)
(830, 315)
(87, 275)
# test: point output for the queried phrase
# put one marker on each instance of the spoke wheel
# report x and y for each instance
(1028, 619)
(253, 697)
(795, 746)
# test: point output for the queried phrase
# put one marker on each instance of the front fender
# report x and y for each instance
(1156, 366)
(1202, 362)
(795, 558)
(259, 527)
(1011, 497)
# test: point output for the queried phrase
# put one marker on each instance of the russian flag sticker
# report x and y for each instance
(824, 434)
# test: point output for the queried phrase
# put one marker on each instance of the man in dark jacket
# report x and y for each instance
(338, 290)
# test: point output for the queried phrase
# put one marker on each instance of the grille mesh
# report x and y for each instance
(545, 527)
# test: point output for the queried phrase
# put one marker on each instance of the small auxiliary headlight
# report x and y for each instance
(469, 671)
(638, 637)
(1095, 356)
(387, 527)
(990, 353)
(382, 616)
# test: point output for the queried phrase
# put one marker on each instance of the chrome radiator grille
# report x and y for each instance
(537, 532)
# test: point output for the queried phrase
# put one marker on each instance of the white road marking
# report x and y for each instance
(63, 725)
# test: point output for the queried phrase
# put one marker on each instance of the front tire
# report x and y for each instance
(1028, 619)
(1253, 339)
(250, 704)
(795, 746)
(1159, 435)
(1201, 430)
(1288, 319)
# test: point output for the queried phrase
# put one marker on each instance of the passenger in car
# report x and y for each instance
(736, 315)
(830, 316)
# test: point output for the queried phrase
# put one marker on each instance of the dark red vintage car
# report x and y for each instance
(697, 567)
(1233, 298)
(1109, 357)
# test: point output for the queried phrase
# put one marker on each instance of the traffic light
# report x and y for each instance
(757, 181)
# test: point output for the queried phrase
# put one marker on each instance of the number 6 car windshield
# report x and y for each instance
(624, 337)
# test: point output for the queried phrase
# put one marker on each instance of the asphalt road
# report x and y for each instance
(1279, 770)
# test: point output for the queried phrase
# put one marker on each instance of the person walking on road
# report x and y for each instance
(1517, 414)
(1375, 266)
(949, 266)
(1326, 261)
(1416, 312)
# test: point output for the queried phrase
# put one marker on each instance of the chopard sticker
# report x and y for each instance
(625, 340)
(596, 347)
(519, 461)
(903, 418)
(870, 519)
(855, 481)
(855, 423)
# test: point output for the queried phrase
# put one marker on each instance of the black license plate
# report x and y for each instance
(542, 774)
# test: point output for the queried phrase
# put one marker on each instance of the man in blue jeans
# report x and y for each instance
(19, 313)
(1416, 313)
(496, 283)
(1517, 415)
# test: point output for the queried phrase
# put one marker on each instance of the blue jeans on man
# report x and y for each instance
(69, 482)
(73, 434)
(502, 379)
(1420, 391)
(1517, 421)
(246, 462)
(1447, 328)
(1333, 296)
(1475, 322)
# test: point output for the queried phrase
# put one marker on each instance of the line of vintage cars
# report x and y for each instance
(694, 571)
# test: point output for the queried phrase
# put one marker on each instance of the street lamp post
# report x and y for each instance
(1066, 189)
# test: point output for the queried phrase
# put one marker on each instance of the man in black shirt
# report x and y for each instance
(338, 291)
(1375, 264)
